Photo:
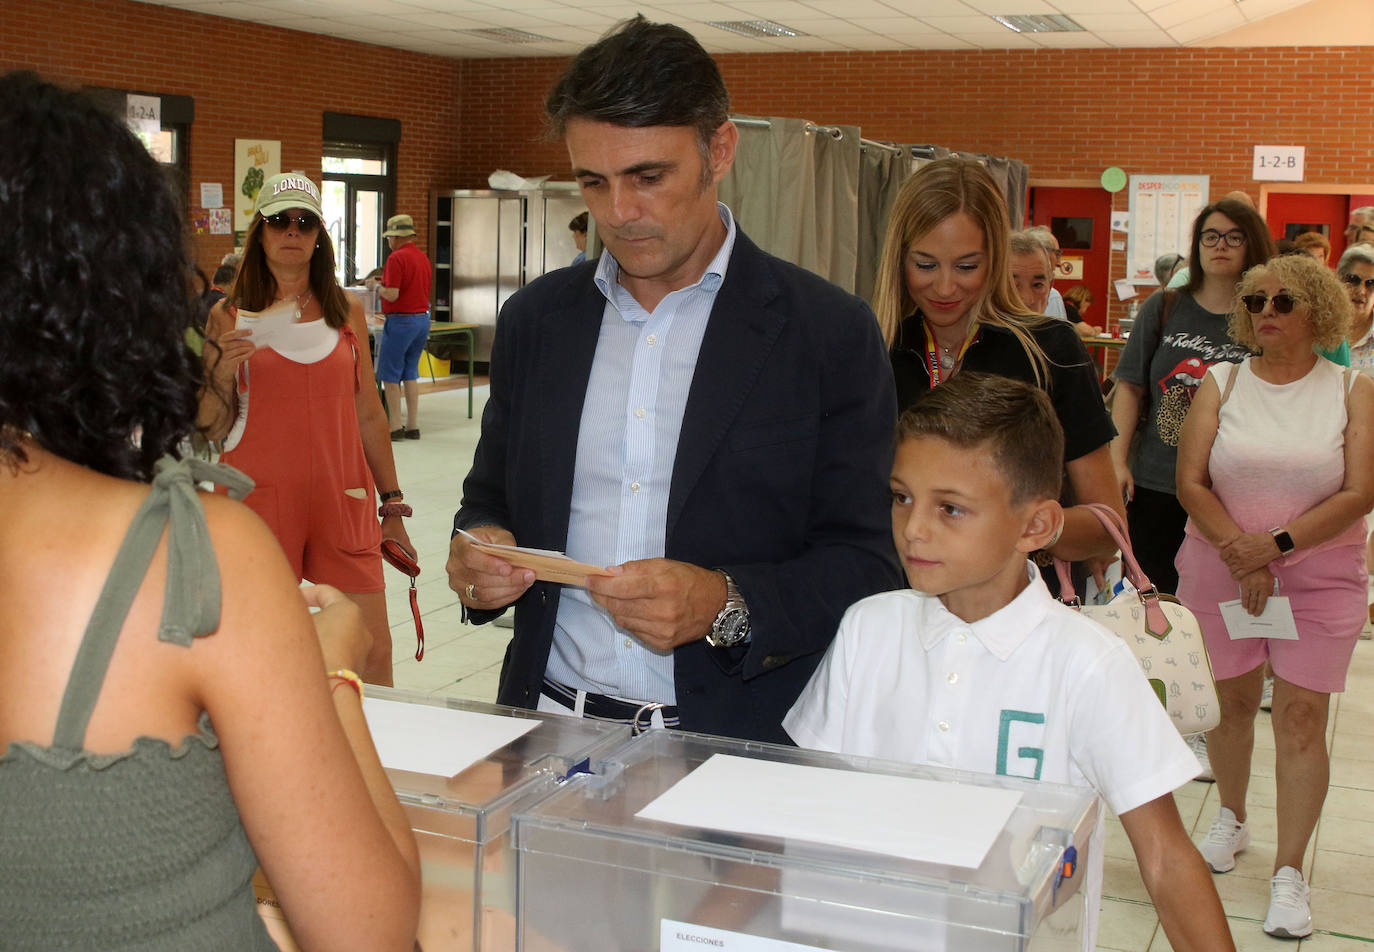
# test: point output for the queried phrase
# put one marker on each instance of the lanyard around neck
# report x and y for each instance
(933, 364)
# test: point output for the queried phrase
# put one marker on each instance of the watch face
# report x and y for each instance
(731, 629)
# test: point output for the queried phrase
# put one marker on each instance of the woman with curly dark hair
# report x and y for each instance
(137, 613)
(316, 440)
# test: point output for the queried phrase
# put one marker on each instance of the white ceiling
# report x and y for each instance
(437, 26)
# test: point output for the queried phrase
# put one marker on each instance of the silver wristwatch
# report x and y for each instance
(731, 626)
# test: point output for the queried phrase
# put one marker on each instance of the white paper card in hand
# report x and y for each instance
(924, 820)
(270, 325)
(1276, 621)
(437, 740)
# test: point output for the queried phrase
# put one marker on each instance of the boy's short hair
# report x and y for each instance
(1014, 420)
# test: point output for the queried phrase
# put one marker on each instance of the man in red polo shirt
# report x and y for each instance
(404, 289)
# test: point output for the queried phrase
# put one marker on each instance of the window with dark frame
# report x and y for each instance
(358, 190)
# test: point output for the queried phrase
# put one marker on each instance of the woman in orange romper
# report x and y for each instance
(298, 410)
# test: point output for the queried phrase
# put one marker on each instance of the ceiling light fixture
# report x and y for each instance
(754, 28)
(501, 34)
(1039, 23)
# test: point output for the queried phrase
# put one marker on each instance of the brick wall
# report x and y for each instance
(248, 81)
(1068, 113)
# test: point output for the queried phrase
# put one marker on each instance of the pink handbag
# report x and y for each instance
(1164, 636)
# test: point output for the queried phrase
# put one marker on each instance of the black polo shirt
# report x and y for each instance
(1071, 383)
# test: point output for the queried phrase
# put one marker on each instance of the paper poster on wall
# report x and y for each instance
(221, 221)
(211, 195)
(255, 160)
(1161, 219)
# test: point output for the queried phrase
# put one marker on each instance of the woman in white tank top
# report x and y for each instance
(1276, 470)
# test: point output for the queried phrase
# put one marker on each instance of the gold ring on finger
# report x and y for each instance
(471, 592)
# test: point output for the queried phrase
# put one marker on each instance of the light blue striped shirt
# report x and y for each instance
(626, 445)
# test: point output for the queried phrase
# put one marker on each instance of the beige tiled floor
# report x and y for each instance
(465, 661)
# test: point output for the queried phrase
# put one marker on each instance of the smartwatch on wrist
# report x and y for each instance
(731, 626)
(1283, 540)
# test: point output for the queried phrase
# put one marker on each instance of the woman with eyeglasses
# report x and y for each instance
(1178, 334)
(298, 410)
(1356, 272)
(1276, 471)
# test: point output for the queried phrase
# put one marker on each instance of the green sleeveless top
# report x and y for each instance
(141, 849)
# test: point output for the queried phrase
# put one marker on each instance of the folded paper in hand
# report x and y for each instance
(270, 325)
(1276, 621)
(548, 566)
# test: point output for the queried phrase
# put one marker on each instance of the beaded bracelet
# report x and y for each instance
(345, 676)
(394, 509)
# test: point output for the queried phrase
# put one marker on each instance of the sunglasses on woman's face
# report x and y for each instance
(1283, 303)
(281, 221)
(1354, 280)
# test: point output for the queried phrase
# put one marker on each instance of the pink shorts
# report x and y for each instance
(1327, 593)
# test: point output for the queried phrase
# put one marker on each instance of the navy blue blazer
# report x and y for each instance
(780, 478)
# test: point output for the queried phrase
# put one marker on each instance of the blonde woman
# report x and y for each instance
(946, 302)
(1276, 472)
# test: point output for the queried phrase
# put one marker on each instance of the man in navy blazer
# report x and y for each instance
(712, 423)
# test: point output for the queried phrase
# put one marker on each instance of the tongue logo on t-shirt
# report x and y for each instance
(1176, 395)
(1188, 373)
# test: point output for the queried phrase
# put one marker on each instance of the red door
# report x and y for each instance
(1081, 219)
(1289, 214)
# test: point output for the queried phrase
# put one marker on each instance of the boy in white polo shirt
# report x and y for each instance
(979, 668)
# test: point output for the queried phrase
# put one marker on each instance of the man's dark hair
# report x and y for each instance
(642, 74)
(579, 223)
(224, 275)
(1014, 420)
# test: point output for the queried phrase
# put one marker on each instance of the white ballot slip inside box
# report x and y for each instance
(924, 820)
(547, 565)
(437, 740)
(1276, 621)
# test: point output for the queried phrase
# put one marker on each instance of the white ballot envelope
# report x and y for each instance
(1276, 621)
(268, 326)
(548, 566)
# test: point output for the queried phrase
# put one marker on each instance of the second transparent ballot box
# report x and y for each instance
(460, 769)
(682, 841)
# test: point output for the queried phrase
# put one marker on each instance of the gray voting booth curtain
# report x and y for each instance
(794, 189)
(819, 196)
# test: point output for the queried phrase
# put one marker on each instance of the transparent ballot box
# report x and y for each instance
(682, 841)
(460, 770)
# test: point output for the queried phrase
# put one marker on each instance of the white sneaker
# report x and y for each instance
(1197, 743)
(1267, 695)
(1224, 840)
(1290, 914)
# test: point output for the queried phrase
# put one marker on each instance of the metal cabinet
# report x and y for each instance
(488, 243)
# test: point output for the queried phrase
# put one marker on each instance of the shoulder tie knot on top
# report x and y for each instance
(191, 604)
